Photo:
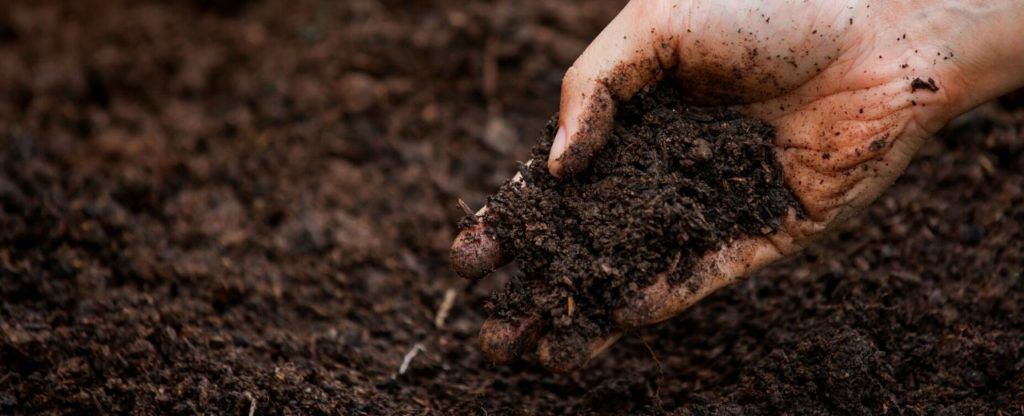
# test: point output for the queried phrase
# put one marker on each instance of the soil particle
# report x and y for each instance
(672, 182)
(919, 84)
(877, 144)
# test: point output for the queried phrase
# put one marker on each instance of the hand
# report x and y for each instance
(852, 88)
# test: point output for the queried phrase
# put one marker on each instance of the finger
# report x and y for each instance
(629, 54)
(566, 352)
(503, 341)
(665, 299)
(475, 253)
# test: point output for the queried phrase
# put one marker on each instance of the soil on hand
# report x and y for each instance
(672, 183)
(212, 210)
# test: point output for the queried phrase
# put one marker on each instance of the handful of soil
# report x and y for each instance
(672, 183)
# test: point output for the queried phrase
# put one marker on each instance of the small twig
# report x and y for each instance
(661, 370)
(446, 307)
(675, 263)
(465, 207)
(416, 349)
(570, 305)
(422, 402)
(252, 403)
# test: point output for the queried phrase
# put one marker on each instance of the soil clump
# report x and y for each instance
(672, 183)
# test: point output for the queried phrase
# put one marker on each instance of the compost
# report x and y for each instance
(672, 183)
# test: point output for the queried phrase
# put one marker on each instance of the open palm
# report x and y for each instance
(852, 89)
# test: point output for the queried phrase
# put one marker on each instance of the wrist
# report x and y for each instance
(973, 49)
(986, 47)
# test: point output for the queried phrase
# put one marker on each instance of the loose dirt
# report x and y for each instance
(250, 207)
(672, 183)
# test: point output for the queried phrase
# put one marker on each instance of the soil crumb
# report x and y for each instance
(919, 84)
(673, 182)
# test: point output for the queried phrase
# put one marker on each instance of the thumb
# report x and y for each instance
(630, 53)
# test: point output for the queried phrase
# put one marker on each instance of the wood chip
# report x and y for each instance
(465, 207)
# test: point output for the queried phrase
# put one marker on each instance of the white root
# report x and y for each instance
(252, 403)
(446, 307)
(416, 349)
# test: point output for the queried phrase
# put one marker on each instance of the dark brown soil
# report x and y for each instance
(207, 210)
(672, 183)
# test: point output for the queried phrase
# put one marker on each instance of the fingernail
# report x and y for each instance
(558, 147)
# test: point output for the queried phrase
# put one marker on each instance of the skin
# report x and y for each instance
(835, 78)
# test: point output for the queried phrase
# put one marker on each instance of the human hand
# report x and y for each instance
(852, 89)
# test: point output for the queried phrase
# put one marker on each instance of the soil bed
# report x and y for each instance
(251, 207)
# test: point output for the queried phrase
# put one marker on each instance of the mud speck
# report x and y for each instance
(919, 84)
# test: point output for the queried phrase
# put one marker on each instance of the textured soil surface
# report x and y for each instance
(672, 183)
(212, 207)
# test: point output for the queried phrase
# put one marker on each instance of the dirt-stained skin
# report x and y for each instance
(476, 253)
(717, 178)
(503, 341)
